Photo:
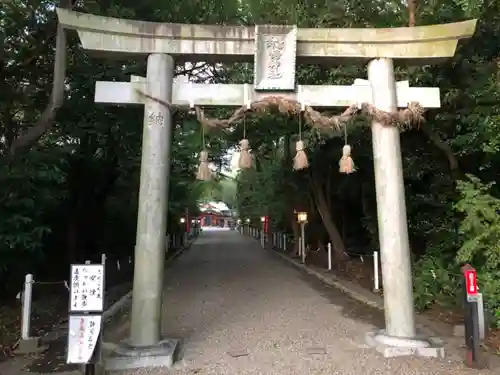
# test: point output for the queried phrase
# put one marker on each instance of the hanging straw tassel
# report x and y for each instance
(300, 160)
(245, 161)
(203, 170)
(346, 164)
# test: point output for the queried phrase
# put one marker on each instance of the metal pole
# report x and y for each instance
(391, 208)
(153, 203)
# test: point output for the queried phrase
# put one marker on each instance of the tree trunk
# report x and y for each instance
(371, 224)
(456, 174)
(296, 235)
(89, 190)
(290, 201)
(72, 239)
(328, 187)
(46, 120)
(412, 11)
(338, 247)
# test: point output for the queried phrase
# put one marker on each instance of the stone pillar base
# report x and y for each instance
(126, 357)
(390, 346)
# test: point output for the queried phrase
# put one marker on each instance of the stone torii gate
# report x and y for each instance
(274, 50)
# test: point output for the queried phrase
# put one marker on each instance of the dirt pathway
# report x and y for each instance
(241, 310)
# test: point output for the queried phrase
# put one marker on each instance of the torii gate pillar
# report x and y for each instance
(391, 208)
(153, 198)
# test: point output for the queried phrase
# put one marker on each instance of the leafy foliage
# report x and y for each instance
(435, 283)
(480, 231)
(73, 195)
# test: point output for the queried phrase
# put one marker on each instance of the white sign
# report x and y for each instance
(87, 288)
(82, 337)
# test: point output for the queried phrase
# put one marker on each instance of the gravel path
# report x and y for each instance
(241, 310)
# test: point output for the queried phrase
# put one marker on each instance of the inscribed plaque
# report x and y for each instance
(275, 53)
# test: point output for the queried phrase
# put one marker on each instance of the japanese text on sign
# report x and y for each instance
(471, 282)
(83, 334)
(87, 288)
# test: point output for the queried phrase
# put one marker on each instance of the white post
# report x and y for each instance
(284, 242)
(27, 296)
(480, 315)
(376, 279)
(300, 246)
(391, 208)
(262, 239)
(103, 258)
(329, 256)
(303, 229)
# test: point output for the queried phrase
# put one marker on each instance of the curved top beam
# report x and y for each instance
(122, 38)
